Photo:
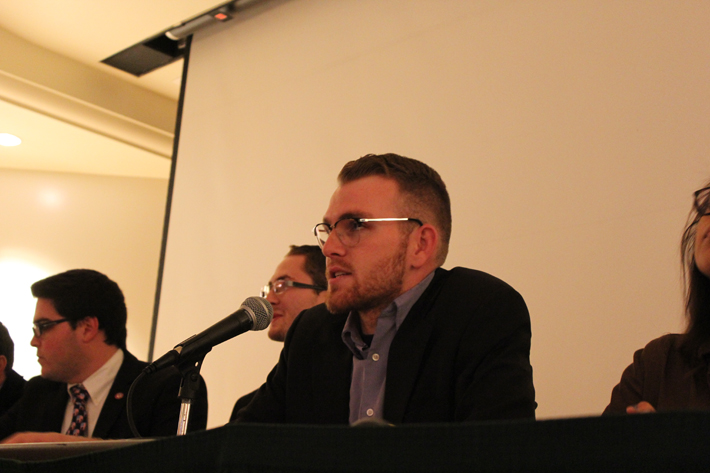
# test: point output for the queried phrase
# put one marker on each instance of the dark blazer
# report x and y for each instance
(11, 391)
(462, 354)
(156, 406)
(665, 377)
(241, 402)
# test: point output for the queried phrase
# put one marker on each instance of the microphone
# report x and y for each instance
(254, 314)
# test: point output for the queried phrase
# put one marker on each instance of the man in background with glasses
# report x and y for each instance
(297, 284)
(399, 339)
(80, 334)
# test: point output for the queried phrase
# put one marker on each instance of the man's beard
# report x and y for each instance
(377, 289)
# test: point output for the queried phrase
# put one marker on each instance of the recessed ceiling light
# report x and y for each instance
(6, 139)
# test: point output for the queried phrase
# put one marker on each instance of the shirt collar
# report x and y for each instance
(399, 308)
(406, 301)
(99, 383)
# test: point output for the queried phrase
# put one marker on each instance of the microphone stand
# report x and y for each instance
(190, 384)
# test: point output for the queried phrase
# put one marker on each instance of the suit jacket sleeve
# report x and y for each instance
(11, 391)
(163, 410)
(462, 354)
(40, 409)
(495, 379)
(241, 402)
(310, 384)
(155, 403)
(268, 404)
(629, 391)
(664, 376)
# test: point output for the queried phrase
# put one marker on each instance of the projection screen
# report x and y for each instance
(571, 136)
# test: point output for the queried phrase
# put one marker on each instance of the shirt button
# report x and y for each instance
(370, 412)
(375, 357)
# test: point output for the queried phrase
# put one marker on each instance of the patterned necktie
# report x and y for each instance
(79, 423)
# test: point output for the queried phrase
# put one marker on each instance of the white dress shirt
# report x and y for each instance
(98, 386)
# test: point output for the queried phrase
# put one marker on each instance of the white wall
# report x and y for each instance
(52, 222)
(571, 136)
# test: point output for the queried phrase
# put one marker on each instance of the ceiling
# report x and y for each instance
(73, 113)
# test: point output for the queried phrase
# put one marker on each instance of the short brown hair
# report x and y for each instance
(422, 185)
(315, 263)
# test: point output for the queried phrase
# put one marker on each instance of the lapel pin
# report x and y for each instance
(118, 396)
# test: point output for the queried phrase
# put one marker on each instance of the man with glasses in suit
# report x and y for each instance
(297, 284)
(80, 335)
(399, 339)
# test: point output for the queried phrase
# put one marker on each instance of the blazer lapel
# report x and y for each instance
(407, 351)
(332, 392)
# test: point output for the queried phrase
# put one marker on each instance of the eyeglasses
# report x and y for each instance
(702, 201)
(349, 229)
(38, 328)
(282, 285)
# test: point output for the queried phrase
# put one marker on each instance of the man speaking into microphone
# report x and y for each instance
(399, 339)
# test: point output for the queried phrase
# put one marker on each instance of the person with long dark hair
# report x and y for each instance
(673, 372)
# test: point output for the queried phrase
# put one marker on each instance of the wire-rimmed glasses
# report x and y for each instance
(348, 229)
(282, 285)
